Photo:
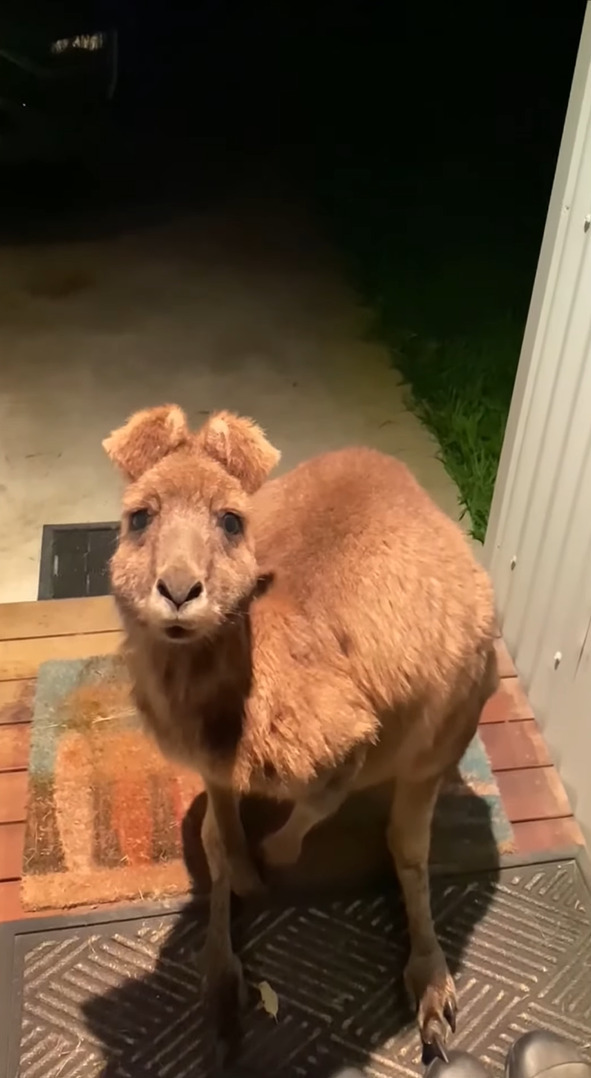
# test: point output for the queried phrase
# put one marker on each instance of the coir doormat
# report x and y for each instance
(109, 819)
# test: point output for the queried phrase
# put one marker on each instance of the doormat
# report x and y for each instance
(109, 818)
(119, 994)
(75, 560)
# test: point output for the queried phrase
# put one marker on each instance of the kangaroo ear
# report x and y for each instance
(146, 438)
(240, 446)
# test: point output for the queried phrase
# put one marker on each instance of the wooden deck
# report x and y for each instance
(31, 633)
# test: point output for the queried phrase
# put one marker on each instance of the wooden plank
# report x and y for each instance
(12, 841)
(509, 704)
(13, 796)
(533, 794)
(540, 836)
(22, 658)
(506, 665)
(58, 617)
(14, 747)
(513, 745)
(16, 701)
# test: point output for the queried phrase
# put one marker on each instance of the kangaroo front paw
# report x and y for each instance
(432, 991)
(245, 878)
(281, 849)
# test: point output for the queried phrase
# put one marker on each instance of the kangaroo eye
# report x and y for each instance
(232, 524)
(138, 521)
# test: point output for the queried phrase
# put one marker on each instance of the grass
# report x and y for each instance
(447, 271)
(460, 387)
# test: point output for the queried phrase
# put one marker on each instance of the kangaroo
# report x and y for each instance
(299, 638)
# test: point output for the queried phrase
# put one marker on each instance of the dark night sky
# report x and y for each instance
(433, 70)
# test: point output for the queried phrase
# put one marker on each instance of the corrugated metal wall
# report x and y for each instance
(538, 545)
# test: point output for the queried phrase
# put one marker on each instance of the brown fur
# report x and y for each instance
(344, 639)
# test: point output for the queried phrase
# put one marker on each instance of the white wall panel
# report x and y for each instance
(538, 545)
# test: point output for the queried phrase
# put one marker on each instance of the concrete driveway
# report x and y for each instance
(242, 307)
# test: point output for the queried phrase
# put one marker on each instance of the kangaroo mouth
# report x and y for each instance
(177, 633)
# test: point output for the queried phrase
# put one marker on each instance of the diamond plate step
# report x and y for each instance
(119, 996)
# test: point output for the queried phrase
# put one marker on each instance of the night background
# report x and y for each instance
(424, 138)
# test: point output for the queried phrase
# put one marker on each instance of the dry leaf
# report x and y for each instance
(269, 999)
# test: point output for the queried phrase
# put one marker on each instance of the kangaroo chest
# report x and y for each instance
(204, 726)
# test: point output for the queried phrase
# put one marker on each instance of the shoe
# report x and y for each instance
(535, 1054)
(457, 1065)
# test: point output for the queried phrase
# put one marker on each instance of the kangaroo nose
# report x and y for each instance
(179, 591)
